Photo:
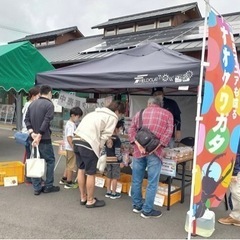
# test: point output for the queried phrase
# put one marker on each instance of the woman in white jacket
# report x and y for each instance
(91, 135)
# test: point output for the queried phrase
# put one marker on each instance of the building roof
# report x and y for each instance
(51, 34)
(151, 14)
(183, 38)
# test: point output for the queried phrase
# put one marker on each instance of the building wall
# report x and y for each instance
(65, 38)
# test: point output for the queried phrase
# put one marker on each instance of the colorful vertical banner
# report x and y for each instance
(219, 128)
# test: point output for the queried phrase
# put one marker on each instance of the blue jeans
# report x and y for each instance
(46, 152)
(153, 164)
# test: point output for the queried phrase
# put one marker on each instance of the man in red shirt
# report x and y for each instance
(160, 122)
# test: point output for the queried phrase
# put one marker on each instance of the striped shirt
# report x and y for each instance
(159, 121)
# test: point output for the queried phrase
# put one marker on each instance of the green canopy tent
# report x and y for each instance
(19, 64)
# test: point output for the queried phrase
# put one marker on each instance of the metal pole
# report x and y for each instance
(19, 111)
(198, 119)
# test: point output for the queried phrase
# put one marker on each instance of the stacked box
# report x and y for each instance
(163, 191)
(11, 169)
(125, 180)
(174, 198)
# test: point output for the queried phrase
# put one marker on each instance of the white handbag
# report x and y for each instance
(102, 162)
(35, 166)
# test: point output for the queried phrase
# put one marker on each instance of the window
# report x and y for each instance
(145, 26)
(164, 23)
(110, 32)
(125, 29)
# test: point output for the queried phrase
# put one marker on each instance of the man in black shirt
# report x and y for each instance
(39, 115)
(172, 107)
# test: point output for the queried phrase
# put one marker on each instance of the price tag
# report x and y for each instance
(119, 187)
(169, 167)
(99, 182)
(10, 181)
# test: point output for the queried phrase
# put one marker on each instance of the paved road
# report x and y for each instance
(59, 215)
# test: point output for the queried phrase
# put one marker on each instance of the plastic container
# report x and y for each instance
(205, 226)
(11, 169)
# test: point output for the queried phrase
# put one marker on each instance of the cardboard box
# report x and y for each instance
(125, 180)
(162, 191)
(174, 198)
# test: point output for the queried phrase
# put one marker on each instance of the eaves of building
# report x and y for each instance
(184, 38)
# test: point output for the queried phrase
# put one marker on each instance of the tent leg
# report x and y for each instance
(19, 111)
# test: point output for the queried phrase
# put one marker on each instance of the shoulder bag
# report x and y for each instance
(145, 137)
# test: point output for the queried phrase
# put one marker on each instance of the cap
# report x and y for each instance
(156, 89)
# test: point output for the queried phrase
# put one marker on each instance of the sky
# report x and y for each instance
(19, 18)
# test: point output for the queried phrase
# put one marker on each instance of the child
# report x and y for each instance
(75, 115)
(113, 151)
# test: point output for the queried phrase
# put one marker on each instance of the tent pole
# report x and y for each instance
(19, 111)
(198, 119)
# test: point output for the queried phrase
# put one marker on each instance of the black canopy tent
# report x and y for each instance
(146, 66)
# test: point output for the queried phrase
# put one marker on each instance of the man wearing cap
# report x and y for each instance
(172, 107)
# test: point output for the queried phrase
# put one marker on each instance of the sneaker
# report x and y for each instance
(71, 185)
(51, 189)
(115, 195)
(152, 214)
(137, 209)
(108, 194)
(62, 182)
(37, 192)
(229, 221)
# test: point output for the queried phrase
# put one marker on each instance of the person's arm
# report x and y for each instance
(108, 130)
(165, 138)
(47, 119)
(177, 122)
(28, 122)
(132, 130)
(118, 147)
(69, 139)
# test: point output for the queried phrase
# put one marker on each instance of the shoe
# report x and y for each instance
(98, 203)
(62, 182)
(137, 209)
(152, 214)
(51, 189)
(229, 221)
(71, 185)
(115, 195)
(83, 202)
(37, 192)
(108, 194)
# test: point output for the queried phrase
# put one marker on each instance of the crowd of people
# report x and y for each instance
(98, 134)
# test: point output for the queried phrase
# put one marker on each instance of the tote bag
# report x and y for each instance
(35, 166)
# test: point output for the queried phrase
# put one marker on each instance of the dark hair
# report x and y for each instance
(157, 89)
(77, 111)
(45, 89)
(33, 92)
(120, 123)
(117, 106)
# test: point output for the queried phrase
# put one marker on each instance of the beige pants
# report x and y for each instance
(71, 160)
(235, 190)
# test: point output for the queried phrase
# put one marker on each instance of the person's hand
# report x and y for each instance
(155, 149)
(109, 143)
(177, 136)
(234, 179)
(36, 139)
(122, 165)
(140, 148)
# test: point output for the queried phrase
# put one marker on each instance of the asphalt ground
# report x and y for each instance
(60, 216)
